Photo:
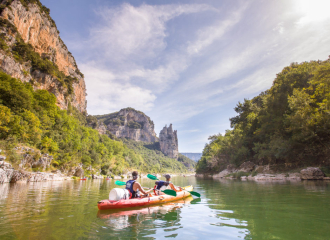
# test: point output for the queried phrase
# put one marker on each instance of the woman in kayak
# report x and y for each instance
(134, 187)
(162, 185)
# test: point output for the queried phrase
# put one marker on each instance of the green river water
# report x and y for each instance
(228, 209)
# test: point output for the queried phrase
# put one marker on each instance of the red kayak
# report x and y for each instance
(139, 202)
(83, 178)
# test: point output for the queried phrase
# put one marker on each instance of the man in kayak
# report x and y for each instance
(162, 185)
(134, 187)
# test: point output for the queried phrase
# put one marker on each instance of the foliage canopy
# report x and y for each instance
(288, 125)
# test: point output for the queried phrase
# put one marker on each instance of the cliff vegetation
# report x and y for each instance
(287, 126)
(156, 161)
(32, 118)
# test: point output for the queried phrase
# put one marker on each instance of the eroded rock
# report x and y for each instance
(37, 29)
(312, 173)
(246, 167)
(129, 123)
(168, 141)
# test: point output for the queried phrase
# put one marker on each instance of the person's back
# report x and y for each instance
(162, 185)
(134, 187)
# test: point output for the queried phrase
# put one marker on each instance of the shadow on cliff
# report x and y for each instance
(152, 146)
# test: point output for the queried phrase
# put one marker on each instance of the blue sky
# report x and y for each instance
(187, 62)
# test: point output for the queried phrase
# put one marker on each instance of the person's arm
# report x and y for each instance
(138, 186)
(174, 188)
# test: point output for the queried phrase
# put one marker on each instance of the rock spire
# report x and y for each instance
(168, 141)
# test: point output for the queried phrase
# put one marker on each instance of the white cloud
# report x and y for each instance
(312, 11)
(209, 35)
(124, 43)
(137, 32)
(108, 94)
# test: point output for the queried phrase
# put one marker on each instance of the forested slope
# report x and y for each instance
(156, 161)
(32, 118)
(288, 125)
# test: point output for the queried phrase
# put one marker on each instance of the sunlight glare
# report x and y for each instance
(313, 10)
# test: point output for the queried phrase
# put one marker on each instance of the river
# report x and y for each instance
(228, 209)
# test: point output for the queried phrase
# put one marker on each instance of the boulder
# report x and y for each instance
(4, 165)
(246, 167)
(222, 174)
(19, 176)
(231, 168)
(79, 172)
(57, 172)
(311, 173)
(6, 175)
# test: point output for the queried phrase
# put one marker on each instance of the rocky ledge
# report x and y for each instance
(251, 171)
(9, 175)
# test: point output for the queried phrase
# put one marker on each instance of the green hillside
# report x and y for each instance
(287, 126)
(156, 161)
(32, 118)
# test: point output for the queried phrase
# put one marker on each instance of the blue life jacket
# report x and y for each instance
(129, 187)
(161, 183)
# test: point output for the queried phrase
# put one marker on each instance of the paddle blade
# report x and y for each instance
(152, 177)
(170, 192)
(195, 194)
(196, 201)
(120, 183)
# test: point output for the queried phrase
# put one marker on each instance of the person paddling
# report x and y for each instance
(162, 185)
(134, 187)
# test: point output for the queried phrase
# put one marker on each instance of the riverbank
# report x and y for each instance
(252, 172)
(8, 174)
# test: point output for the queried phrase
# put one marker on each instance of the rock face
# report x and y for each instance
(6, 172)
(168, 141)
(9, 175)
(129, 123)
(246, 167)
(311, 173)
(35, 27)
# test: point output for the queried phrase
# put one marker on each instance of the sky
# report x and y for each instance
(187, 62)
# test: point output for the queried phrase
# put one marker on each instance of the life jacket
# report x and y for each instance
(160, 185)
(129, 187)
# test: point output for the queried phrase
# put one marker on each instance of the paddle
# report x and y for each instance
(153, 177)
(166, 191)
(120, 183)
(195, 193)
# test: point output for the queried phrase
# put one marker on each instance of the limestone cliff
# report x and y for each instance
(129, 123)
(26, 29)
(168, 141)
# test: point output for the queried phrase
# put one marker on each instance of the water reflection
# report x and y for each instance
(144, 221)
(228, 209)
(272, 209)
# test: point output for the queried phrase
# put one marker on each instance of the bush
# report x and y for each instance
(238, 175)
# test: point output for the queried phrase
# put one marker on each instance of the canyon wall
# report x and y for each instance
(56, 71)
(128, 123)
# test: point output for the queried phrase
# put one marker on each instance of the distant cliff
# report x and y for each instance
(32, 51)
(168, 141)
(193, 156)
(128, 123)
